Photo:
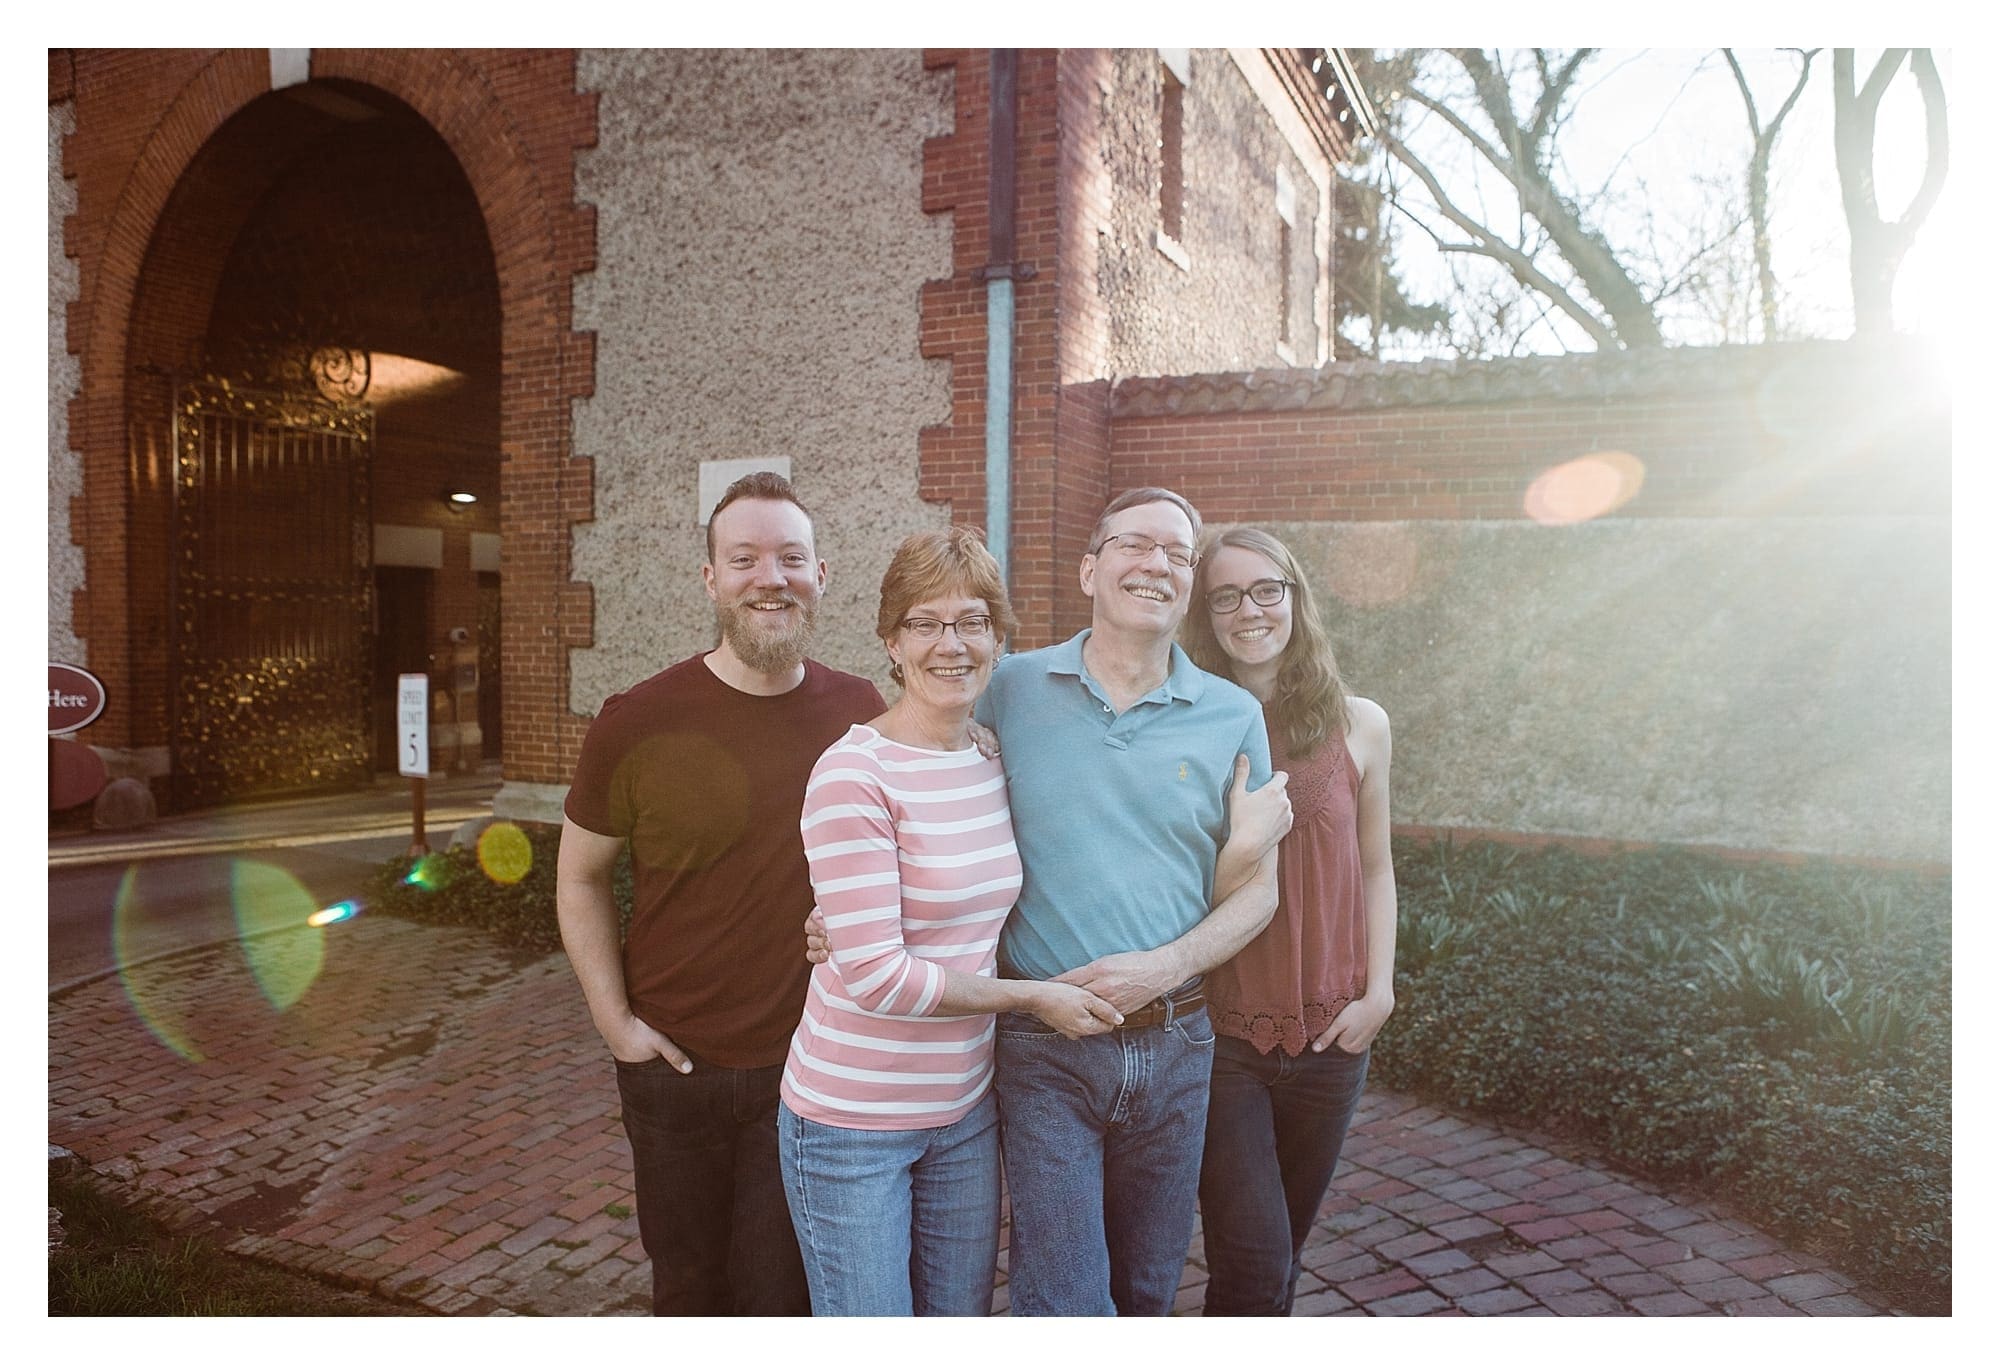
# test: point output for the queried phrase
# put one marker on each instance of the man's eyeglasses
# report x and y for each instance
(965, 627)
(1265, 592)
(1135, 546)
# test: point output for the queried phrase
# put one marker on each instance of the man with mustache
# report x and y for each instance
(1128, 794)
(701, 770)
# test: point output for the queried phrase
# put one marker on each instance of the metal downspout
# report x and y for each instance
(1000, 272)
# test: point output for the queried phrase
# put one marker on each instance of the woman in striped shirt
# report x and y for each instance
(887, 1132)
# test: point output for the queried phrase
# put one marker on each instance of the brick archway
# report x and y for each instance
(514, 122)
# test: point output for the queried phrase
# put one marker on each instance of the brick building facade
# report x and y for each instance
(579, 277)
(1613, 597)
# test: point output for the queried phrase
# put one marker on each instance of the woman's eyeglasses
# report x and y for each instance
(965, 627)
(1265, 592)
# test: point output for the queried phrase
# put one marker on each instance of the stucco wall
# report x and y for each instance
(65, 375)
(761, 243)
(1782, 684)
(1221, 312)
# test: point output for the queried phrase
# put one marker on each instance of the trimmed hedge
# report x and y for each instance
(452, 887)
(1779, 1036)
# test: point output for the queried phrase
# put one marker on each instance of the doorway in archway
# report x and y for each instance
(325, 248)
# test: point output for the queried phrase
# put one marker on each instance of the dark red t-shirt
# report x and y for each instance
(706, 783)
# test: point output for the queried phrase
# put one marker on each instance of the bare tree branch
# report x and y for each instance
(1879, 78)
(1877, 248)
(1546, 112)
(1525, 164)
(1465, 130)
(1764, 141)
(1798, 87)
(1937, 142)
(1486, 243)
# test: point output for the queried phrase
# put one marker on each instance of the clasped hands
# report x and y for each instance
(1077, 1004)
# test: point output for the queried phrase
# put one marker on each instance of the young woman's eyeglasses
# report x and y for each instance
(1135, 546)
(1265, 592)
(965, 627)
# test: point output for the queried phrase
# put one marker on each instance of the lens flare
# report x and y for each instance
(1590, 486)
(268, 898)
(258, 954)
(504, 852)
(147, 984)
(431, 872)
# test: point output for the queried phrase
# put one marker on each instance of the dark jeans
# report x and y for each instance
(1275, 1126)
(712, 1211)
(1102, 1142)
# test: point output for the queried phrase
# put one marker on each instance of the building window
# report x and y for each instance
(1284, 283)
(1287, 206)
(1173, 187)
(1174, 68)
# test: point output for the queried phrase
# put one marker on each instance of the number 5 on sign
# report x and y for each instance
(413, 714)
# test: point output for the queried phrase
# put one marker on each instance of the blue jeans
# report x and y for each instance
(1103, 1143)
(896, 1222)
(705, 1179)
(1275, 1126)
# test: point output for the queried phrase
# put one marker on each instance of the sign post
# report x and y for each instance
(413, 748)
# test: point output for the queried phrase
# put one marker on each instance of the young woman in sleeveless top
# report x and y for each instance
(1296, 1010)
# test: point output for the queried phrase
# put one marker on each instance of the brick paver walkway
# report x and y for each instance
(437, 1121)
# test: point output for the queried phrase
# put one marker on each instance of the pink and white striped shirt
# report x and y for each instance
(914, 867)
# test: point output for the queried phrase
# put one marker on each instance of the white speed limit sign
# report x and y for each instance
(413, 724)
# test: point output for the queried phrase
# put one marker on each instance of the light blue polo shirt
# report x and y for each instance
(1119, 818)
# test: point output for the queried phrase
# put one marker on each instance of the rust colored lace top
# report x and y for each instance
(1311, 960)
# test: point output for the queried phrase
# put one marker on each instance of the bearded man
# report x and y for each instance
(700, 770)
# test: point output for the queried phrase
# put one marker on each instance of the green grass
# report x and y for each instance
(117, 1261)
(1776, 1036)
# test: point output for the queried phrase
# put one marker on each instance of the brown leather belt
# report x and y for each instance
(1160, 1012)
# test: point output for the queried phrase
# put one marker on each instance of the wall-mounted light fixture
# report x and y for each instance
(457, 499)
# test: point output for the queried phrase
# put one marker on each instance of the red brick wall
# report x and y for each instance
(952, 312)
(1808, 429)
(140, 119)
(1060, 425)
(1083, 480)
(514, 122)
(1042, 463)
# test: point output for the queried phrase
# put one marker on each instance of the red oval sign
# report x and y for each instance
(76, 774)
(76, 698)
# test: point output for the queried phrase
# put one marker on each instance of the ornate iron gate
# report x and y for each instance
(271, 592)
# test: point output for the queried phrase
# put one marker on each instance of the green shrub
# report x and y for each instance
(1779, 984)
(452, 887)
(1779, 1036)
